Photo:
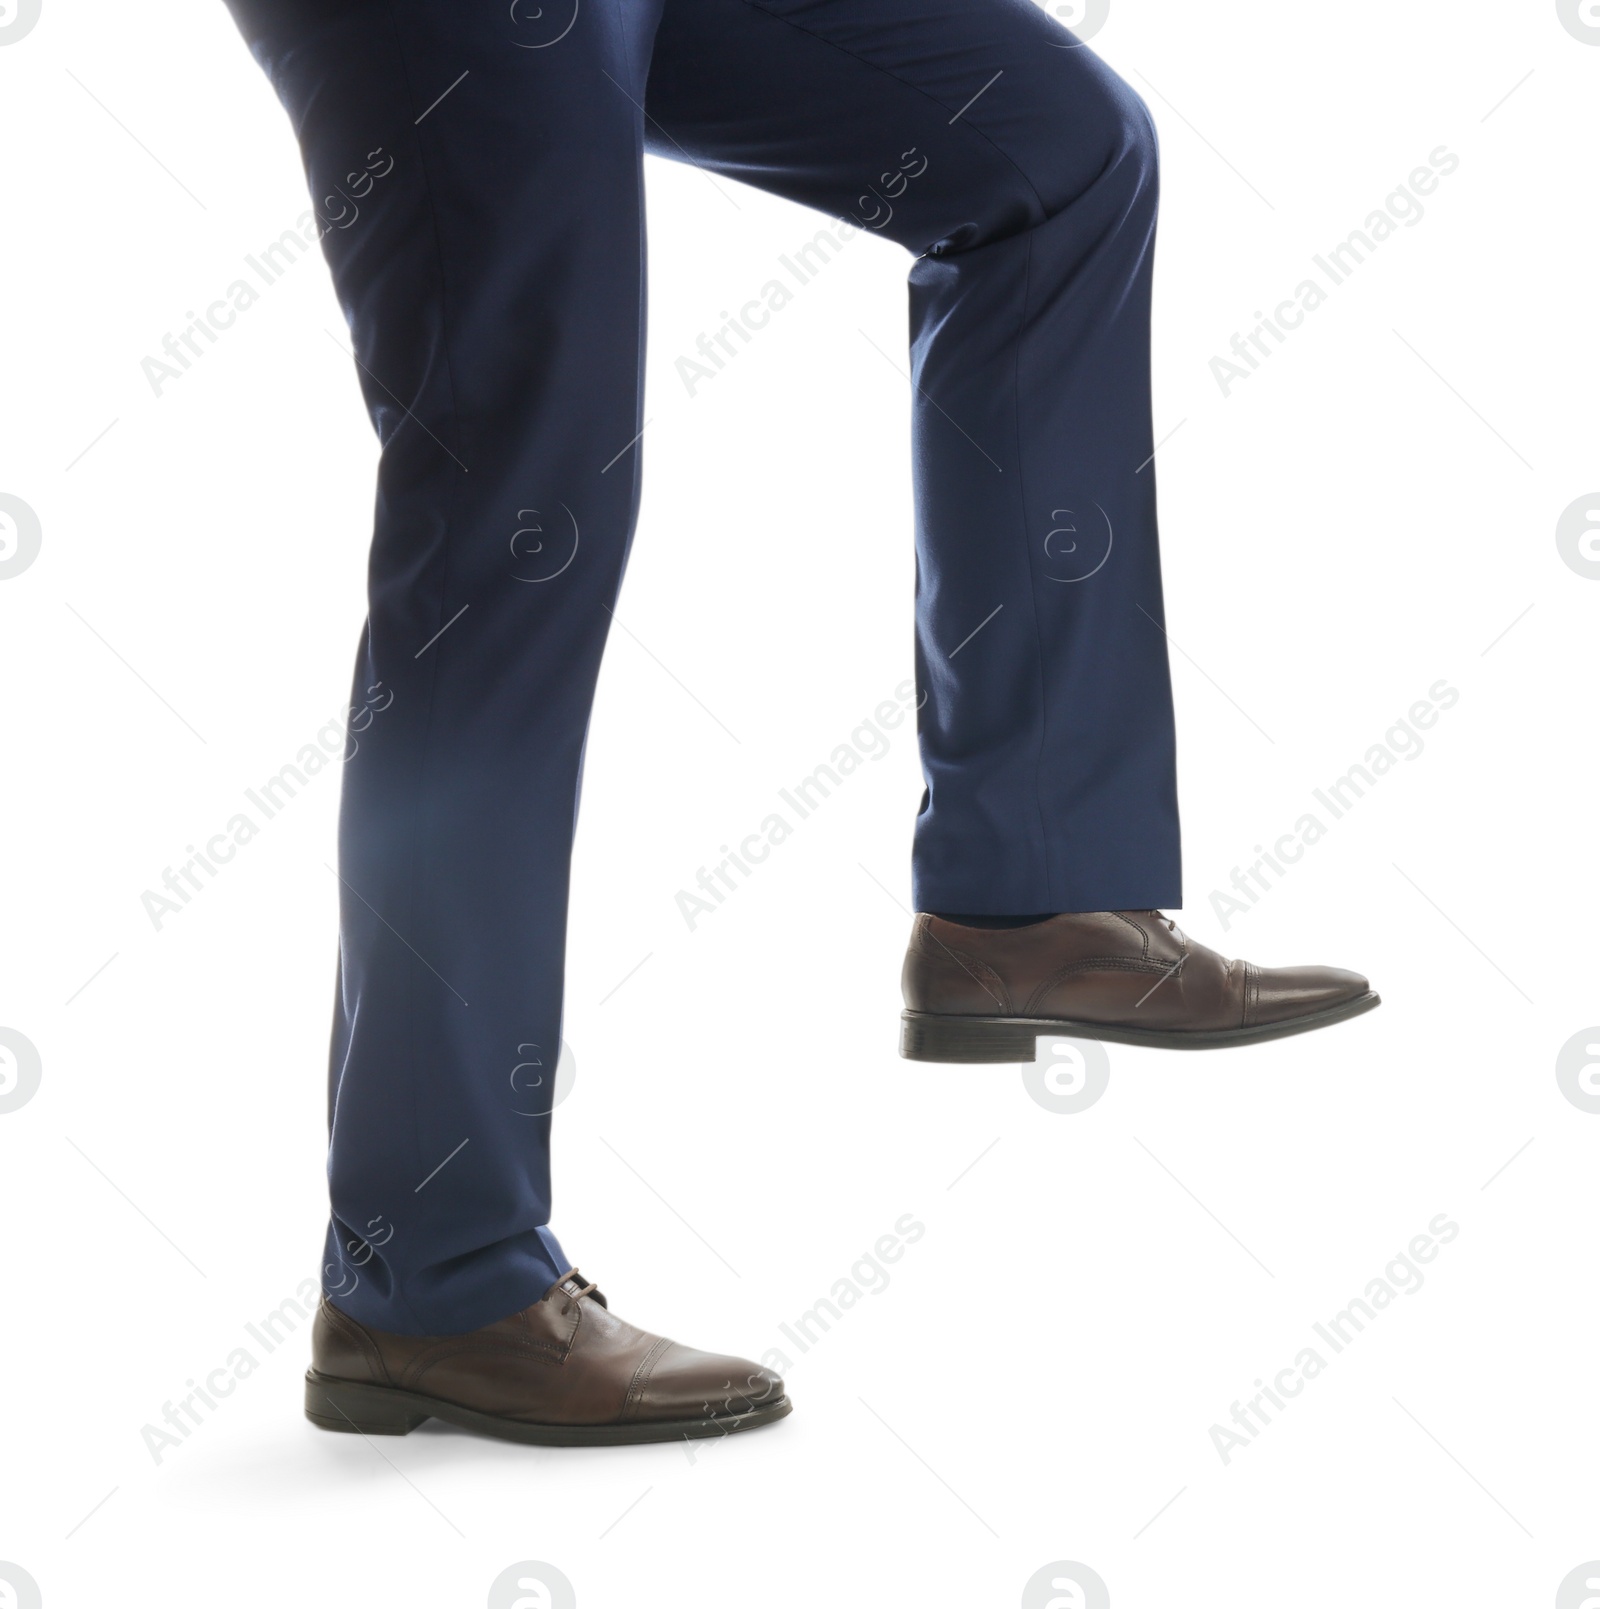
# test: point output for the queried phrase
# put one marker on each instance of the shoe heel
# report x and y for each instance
(366, 1410)
(928, 1037)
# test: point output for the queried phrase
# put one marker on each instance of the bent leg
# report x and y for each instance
(1021, 172)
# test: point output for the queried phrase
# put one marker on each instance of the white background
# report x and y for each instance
(1373, 511)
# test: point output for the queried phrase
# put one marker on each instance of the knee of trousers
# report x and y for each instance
(1102, 141)
(1086, 144)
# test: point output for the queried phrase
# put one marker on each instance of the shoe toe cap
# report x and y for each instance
(1286, 992)
(686, 1383)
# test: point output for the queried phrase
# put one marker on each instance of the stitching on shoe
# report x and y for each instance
(641, 1376)
(351, 1331)
(1104, 963)
(1144, 933)
(978, 971)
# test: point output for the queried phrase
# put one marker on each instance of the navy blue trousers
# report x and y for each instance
(476, 172)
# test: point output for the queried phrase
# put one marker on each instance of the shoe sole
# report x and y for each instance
(929, 1036)
(370, 1410)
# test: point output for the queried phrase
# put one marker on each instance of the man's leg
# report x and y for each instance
(478, 177)
(479, 173)
(1022, 172)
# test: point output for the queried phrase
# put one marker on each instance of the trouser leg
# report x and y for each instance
(478, 177)
(1022, 172)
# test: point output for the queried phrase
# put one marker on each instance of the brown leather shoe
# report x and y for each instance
(563, 1373)
(984, 995)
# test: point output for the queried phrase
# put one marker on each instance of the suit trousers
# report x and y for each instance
(476, 173)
